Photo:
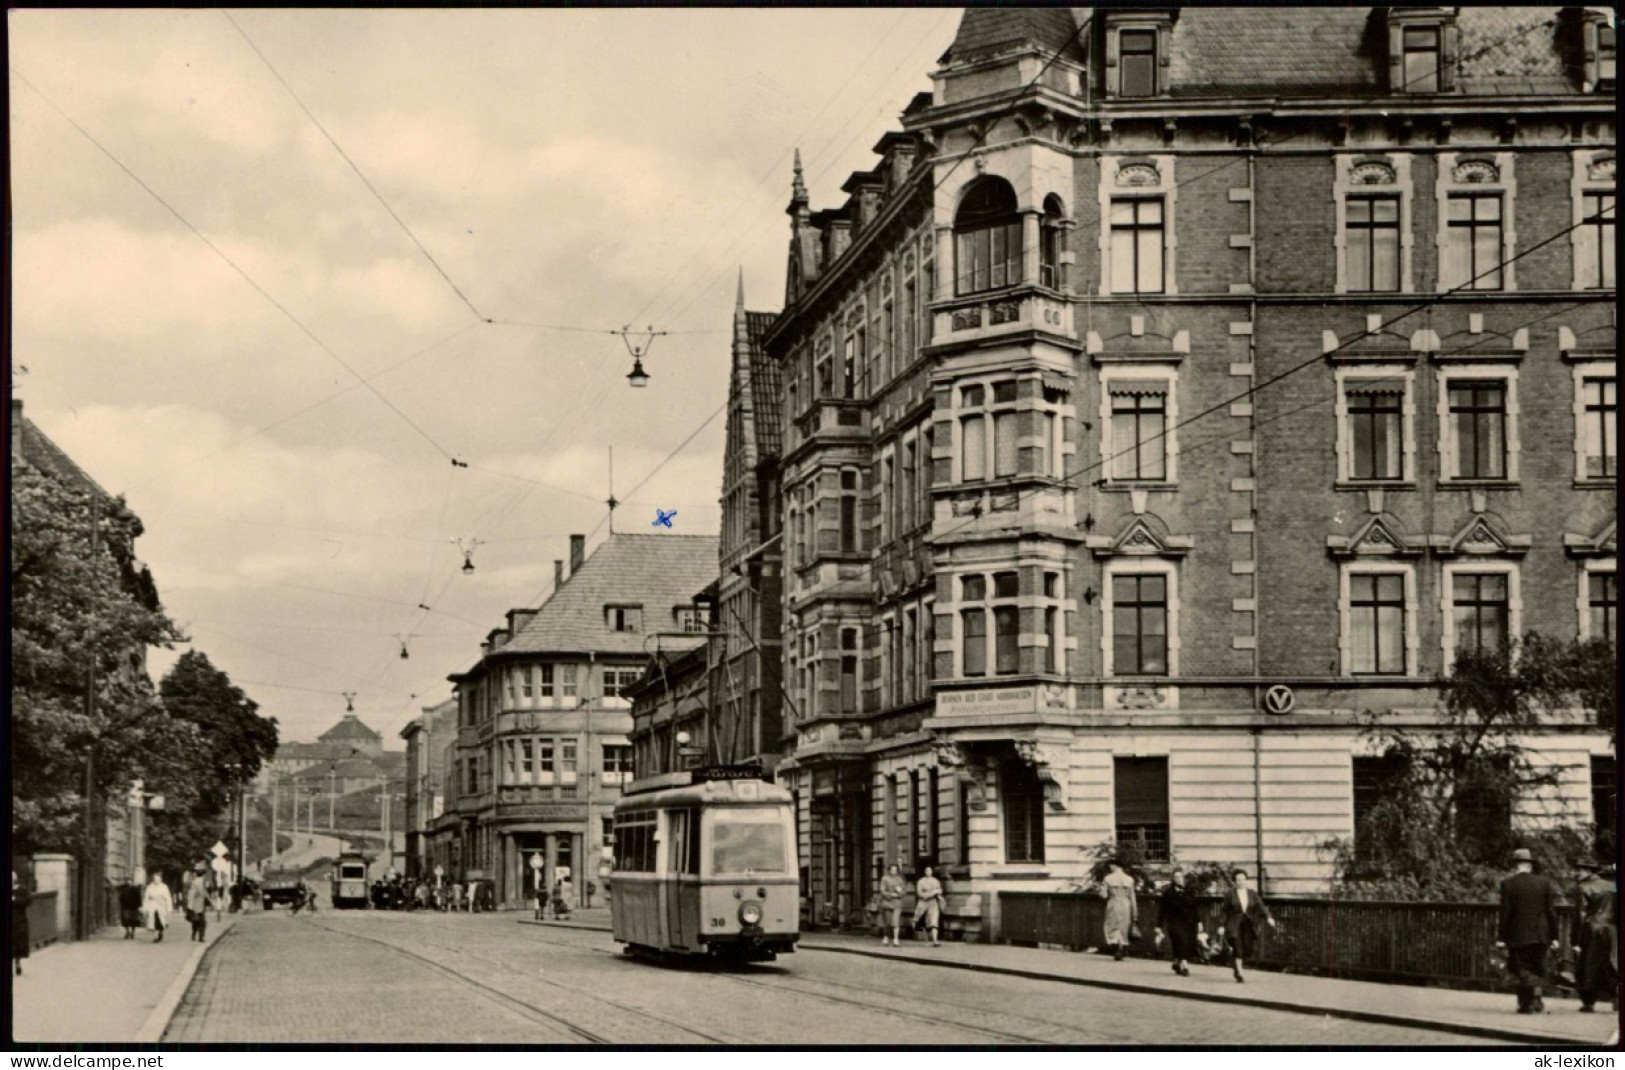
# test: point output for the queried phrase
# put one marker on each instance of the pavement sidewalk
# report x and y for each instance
(107, 989)
(1486, 1015)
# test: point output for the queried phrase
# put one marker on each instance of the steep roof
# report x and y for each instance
(35, 449)
(1222, 51)
(764, 375)
(350, 728)
(987, 31)
(657, 572)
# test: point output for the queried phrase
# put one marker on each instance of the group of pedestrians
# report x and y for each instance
(1529, 930)
(928, 896)
(1243, 912)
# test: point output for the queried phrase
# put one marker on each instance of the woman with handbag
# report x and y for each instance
(1121, 908)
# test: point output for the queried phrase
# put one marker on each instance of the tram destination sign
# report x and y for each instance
(727, 772)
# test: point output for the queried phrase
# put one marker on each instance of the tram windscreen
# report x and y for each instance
(745, 842)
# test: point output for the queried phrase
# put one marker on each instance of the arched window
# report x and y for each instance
(987, 237)
(1051, 243)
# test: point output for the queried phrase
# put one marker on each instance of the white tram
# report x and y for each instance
(705, 864)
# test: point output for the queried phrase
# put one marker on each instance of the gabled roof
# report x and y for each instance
(657, 572)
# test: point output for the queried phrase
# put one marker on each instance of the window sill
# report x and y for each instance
(1125, 485)
(1374, 484)
(1478, 484)
(1597, 483)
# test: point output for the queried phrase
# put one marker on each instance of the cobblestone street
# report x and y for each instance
(409, 978)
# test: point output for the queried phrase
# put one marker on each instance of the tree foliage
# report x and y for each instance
(74, 608)
(233, 742)
(1443, 824)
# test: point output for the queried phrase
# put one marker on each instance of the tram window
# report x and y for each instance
(635, 847)
(692, 855)
(747, 847)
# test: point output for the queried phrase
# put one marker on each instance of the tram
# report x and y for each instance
(705, 865)
(350, 881)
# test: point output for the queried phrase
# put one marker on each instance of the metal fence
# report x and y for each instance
(1427, 943)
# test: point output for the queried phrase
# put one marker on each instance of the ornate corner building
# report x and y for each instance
(1177, 386)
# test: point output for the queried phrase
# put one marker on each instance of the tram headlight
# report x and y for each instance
(750, 913)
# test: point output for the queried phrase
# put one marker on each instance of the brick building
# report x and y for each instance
(1177, 386)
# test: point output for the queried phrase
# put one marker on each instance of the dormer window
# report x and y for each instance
(624, 618)
(1137, 51)
(688, 619)
(1421, 60)
(1421, 50)
(1137, 63)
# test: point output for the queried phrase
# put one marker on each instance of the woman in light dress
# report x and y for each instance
(157, 905)
(1121, 909)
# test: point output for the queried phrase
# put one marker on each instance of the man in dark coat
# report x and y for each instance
(1176, 917)
(1528, 928)
(1596, 901)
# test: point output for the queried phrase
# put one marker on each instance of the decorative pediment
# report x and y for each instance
(1475, 172)
(1484, 535)
(1380, 536)
(1372, 174)
(1138, 175)
(1143, 537)
(1604, 543)
(1138, 344)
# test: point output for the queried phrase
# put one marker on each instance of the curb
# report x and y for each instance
(1263, 1002)
(152, 1031)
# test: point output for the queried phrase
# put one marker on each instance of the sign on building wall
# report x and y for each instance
(1029, 699)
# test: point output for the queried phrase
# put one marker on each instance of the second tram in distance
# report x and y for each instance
(350, 881)
(705, 864)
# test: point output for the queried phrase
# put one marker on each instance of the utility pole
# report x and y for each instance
(275, 783)
(330, 790)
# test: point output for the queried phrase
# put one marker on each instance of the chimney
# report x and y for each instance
(578, 552)
(558, 574)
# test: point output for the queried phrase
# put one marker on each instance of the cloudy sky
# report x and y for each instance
(570, 171)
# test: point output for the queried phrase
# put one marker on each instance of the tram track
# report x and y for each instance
(1058, 1033)
(522, 1007)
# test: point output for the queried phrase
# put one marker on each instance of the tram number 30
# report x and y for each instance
(718, 923)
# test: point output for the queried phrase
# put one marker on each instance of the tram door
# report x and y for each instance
(680, 890)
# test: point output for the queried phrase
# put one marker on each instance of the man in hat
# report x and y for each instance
(1528, 928)
(1597, 934)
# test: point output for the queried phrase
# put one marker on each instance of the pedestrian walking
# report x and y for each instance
(456, 895)
(1597, 901)
(1176, 920)
(566, 893)
(591, 889)
(129, 908)
(928, 903)
(891, 905)
(157, 905)
(1121, 908)
(1528, 928)
(20, 940)
(1244, 912)
(197, 904)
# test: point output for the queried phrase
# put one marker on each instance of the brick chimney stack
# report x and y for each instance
(578, 552)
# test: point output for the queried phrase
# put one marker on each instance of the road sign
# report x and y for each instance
(1279, 699)
(219, 850)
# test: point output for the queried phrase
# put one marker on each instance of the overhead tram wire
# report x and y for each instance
(365, 181)
(774, 172)
(266, 294)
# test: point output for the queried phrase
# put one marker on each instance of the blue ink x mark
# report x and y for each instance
(663, 518)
